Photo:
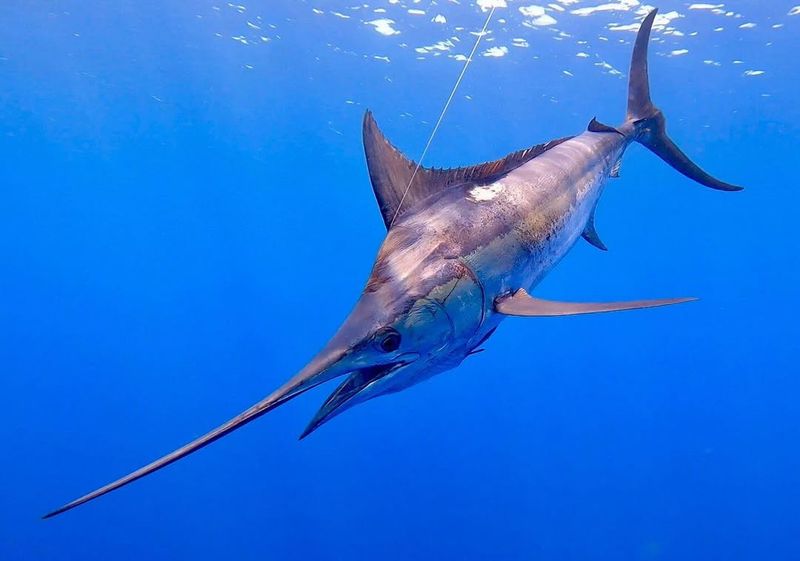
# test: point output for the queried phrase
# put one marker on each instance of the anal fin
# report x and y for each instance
(523, 304)
(590, 234)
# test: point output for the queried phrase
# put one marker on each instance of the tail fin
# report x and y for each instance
(646, 121)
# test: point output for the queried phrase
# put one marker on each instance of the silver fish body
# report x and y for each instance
(505, 235)
(463, 249)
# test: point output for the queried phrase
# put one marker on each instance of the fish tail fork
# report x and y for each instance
(646, 123)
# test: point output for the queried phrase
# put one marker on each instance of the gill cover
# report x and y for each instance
(435, 333)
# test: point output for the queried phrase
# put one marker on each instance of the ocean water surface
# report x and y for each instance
(186, 217)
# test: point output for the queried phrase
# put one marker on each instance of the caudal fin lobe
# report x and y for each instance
(646, 121)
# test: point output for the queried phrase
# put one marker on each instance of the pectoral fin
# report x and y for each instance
(521, 303)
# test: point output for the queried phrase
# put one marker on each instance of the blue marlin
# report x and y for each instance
(464, 249)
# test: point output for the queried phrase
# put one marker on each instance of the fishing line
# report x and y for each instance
(444, 110)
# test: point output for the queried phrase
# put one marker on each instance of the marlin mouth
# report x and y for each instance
(357, 381)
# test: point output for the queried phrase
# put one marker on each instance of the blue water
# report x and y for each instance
(186, 218)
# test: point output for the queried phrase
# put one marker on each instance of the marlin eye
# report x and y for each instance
(390, 342)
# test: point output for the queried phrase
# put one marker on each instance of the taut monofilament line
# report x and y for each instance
(444, 110)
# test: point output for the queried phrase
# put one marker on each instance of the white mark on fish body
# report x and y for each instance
(484, 193)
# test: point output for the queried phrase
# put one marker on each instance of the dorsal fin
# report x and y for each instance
(390, 171)
(597, 126)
